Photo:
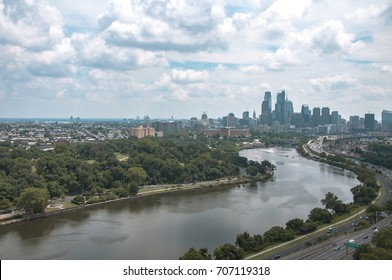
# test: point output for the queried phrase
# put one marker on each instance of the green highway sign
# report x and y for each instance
(352, 245)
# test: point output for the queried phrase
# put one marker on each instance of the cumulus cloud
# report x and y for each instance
(287, 9)
(35, 26)
(252, 69)
(383, 68)
(277, 60)
(331, 38)
(188, 76)
(371, 12)
(332, 83)
(185, 26)
(93, 51)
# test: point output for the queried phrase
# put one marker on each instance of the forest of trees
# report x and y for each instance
(378, 154)
(95, 168)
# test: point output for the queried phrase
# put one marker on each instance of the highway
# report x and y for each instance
(334, 248)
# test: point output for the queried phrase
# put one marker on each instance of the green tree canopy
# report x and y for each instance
(383, 238)
(193, 254)
(228, 251)
(320, 215)
(33, 200)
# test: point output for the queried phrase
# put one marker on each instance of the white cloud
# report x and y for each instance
(188, 76)
(288, 9)
(252, 69)
(386, 69)
(277, 61)
(29, 25)
(373, 11)
(330, 38)
(94, 52)
(170, 25)
(332, 83)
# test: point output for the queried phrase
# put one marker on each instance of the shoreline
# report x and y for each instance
(168, 189)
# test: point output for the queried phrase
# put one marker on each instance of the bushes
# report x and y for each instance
(78, 200)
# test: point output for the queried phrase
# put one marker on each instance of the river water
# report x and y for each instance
(166, 226)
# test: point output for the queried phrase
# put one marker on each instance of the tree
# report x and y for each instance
(308, 227)
(137, 175)
(5, 204)
(252, 170)
(33, 200)
(320, 215)
(55, 190)
(295, 225)
(388, 206)
(193, 254)
(373, 210)
(278, 234)
(250, 243)
(383, 238)
(79, 200)
(228, 251)
(133, 188)
(363, 195)
(332, 202)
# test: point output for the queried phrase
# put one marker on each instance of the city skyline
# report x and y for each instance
(122, 59)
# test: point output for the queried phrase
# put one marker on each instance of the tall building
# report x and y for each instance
(315, 120)
(204, 119)
(354, 123)
(325, 116)
(386, 120)
(289, 110)
(369, 122)
(268, 103)
(280, 107)
(230, 121)
(305, 112)
(335, 117)
(266, 109)
(245, 115)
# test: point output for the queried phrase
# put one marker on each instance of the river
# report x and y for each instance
(166, 226)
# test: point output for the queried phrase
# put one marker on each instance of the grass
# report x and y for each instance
(121, 157)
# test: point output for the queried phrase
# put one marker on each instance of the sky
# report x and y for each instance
(180, 58)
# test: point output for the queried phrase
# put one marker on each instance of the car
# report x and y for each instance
(276, 257)
(366, 237)
(337, 248)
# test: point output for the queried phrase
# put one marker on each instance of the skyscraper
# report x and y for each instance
(266, 115)
(386, 120)
(315, 120)
(305, 112)
(354, 123)
(245, 115)
(280, 107)
(289, 110)
(268, 102)
(335, 117)
(325, 116)
(369, 122)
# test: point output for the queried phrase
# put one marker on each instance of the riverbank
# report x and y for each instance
(146, 191)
